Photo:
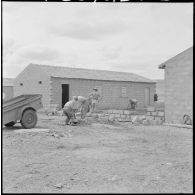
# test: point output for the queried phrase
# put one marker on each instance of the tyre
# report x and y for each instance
(11, 124)
(29, 119)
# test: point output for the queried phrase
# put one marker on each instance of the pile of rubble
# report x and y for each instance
(136, 120)
(54, 112)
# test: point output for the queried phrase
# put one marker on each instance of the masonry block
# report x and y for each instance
(126, 112)
(115, 111)
(142, 117)
(95, 115)
(103, 114)
(124, 120)
(161, 113)
(154, 113)
(133, 112)
(117, 115)
(151, 109)
(105, 119)
(53, 105)
(99, 115)
(110, 111)
(123, 116)
(128, 116)
(159, 122)
(120, 111)
(150, 117)
(111, 115)
(117, 119)
(111, 119)
(159, 117)
(146, 122)
(149, 113)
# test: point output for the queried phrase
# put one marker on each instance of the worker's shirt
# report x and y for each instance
(81, 98)
(94, 95)
(81, 101)
(72, 104)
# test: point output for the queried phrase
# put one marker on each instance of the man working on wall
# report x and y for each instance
(95, 98)
(70, 109)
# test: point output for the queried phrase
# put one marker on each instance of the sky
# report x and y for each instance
(125, 37)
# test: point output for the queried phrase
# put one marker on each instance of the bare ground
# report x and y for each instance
(103, 158)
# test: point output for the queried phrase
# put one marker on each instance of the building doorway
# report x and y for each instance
(147, 97)
(65, 94)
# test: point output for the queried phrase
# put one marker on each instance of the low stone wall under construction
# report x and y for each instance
(149, 116)
(123, 115)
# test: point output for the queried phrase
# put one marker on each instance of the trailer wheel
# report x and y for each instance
(10, 124)
(29, 119)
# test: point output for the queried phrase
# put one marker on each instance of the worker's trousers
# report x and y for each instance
(69, 113)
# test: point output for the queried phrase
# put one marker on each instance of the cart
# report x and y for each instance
(22, 109)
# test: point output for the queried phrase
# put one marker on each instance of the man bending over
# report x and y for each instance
(70, 109)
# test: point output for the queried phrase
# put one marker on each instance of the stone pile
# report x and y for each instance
(54, 112)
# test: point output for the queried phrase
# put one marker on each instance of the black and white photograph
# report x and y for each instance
(96, 97)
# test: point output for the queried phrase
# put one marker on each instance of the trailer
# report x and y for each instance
(22, 109)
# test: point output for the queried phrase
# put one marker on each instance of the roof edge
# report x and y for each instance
(163, 65)
(43, 65)
(151, 82)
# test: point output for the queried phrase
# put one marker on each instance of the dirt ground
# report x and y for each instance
(96, 158)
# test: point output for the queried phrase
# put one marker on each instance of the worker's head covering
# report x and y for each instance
(95, 89)
(75, 98)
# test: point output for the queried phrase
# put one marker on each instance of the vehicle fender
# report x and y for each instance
(21, 111)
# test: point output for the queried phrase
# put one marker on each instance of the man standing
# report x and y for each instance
(70, 108)
(95, 98)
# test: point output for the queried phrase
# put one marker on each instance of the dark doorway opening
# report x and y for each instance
(65, 94)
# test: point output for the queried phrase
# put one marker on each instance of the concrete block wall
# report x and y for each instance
(30, 78)
(179, 87)
(160, 89)
(110, 90)
(76, 87)
(52, 94)
(8, 92)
